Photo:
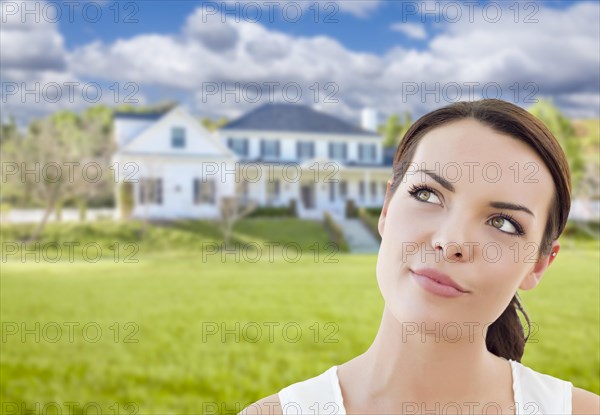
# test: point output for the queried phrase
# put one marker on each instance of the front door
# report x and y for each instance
(307, 193)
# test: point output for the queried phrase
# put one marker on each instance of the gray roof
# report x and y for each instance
(293, 118)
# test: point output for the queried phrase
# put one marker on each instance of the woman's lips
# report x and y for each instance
(437, 288)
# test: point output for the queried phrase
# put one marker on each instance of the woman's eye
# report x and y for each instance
(499, 222)
(424, 195)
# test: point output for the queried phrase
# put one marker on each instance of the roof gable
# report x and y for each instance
(156, 138)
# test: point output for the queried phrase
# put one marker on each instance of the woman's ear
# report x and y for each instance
(386, 202)
(535, 275)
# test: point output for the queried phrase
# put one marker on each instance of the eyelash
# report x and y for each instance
(417, 188)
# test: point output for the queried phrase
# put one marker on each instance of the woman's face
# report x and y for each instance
(480, 250)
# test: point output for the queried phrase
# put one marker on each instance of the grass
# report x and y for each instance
(157, 346)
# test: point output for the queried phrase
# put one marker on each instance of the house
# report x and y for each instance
(169, 166)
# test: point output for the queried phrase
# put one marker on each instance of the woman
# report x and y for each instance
(480, 194)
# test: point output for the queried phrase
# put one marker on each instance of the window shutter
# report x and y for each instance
(159, 191)
(297, 149)
(229, 142)
(195, 191)
(360, 152)
(312, 149)
(330, 150)
(344, 152)
(262, 147)
(277, 143)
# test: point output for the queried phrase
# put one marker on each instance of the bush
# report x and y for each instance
(373, 211)
(335, 232)
(271, 212)
(351, 210)
(370, 221)
(581, 230)
(126, 196)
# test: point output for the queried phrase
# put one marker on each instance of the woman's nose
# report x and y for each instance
(450, 250)
(451, 241)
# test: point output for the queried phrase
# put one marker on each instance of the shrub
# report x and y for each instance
(335, 232)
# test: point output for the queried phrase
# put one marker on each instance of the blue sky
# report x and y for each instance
(319, 19)
(371, 52)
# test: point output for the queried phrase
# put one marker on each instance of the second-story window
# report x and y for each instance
(269, 148)
(337, 151)
(238, 145)
(367, 152)
(305, 149)
(178, 137)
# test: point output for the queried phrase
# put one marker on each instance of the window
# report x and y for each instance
(204, 191)
(150, 191)
(305, 149)
(178, 137)
(272, 191)
(331, 191)
(269, 148)
(367, 152)
(343, 188)
(238, 145)
(158, 190)
(337, 151)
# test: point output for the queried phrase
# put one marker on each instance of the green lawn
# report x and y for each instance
(161, 320)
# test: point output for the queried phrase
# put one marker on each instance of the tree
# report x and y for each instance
(212, 125)
(11, 142)
(48, 154)
(395, 128)
(564, 131)
(232, 209)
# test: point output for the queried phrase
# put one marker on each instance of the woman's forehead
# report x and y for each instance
(470, 143)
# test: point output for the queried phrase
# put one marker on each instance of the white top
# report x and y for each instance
(534, 393)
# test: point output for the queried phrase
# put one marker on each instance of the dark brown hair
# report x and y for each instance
(505, 337)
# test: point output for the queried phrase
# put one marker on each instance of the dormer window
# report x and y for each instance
(178, 137)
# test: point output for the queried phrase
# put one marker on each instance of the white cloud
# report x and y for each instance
(559, 55)
(29, 44)
(412, 30)
(326, 10)
(358, 8)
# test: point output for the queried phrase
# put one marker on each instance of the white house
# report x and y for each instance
(277, 154)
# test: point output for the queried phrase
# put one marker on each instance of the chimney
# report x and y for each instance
(369, 119)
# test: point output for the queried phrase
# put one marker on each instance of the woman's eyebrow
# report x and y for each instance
(450, 187)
